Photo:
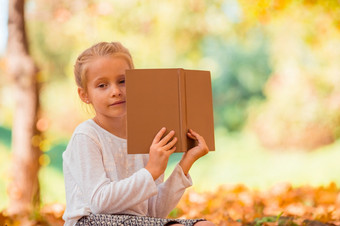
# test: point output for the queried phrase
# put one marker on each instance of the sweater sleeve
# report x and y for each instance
(84, 161)
(169, 193)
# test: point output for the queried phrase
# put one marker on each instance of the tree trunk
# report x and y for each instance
(23, 190)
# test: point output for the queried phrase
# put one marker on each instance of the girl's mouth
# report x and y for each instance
(117, 103)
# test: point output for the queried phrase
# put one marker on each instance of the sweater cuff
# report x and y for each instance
(149, 180)
(187, 181)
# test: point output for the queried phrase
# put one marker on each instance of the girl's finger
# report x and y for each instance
(191, 136)
(159, 135)
(166, 139)
(170, 144)
(200, 140)
(172, 150)
(193, 133)
(197, 137)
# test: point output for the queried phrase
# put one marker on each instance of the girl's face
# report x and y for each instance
(106, 87)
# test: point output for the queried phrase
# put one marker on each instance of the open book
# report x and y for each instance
(177, 99)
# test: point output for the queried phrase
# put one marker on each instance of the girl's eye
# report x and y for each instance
(102, 85)
(122, 81)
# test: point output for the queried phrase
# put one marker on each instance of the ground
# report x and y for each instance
(239, 205)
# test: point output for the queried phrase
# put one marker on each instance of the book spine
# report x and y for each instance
(182, 110)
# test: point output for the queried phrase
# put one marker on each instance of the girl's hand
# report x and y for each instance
(194, 153)
(160, 151)
(200, 149)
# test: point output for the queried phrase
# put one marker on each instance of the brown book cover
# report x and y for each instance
(177, 99)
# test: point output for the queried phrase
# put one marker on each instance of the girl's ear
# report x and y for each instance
(83, 95)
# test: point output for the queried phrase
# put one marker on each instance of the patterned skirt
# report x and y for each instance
(122, 219)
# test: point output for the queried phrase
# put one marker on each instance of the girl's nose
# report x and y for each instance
(116, 91)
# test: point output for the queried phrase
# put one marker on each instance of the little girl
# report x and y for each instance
(104, 185)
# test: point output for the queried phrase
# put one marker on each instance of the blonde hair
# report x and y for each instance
(100, 49)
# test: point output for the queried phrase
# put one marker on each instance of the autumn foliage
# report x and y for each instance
(280, 205)
(283, 204)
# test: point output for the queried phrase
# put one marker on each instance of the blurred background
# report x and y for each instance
(275, 79)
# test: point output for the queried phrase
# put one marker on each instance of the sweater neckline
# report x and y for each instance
(107, 132)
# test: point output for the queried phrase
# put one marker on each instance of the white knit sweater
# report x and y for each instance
(100, 177)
